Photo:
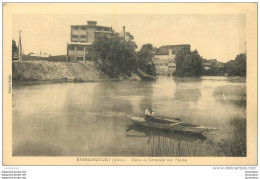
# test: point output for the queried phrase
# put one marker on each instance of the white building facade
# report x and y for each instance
(164, 58)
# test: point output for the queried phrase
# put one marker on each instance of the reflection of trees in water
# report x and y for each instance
(109, 97)
(187, 80)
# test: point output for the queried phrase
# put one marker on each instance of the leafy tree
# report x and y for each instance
(114, 55)
(237, 67)
(188, 64)
(145, 59)
(14, 50)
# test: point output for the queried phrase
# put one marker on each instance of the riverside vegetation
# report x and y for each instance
(113, 58)
(117, 58)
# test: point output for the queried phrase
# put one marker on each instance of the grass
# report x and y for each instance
(235, 144)
(231, 93)
(173, 144)
(179, 145)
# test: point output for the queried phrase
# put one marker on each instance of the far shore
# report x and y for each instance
(36, 72)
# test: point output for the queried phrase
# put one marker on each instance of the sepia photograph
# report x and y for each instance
(133, 86)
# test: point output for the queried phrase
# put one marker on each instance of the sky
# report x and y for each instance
(215, 36)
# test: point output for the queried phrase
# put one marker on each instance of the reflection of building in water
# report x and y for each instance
(188, 94)
(81, 38)
(164, 58)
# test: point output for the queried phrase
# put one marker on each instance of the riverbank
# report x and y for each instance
(37, 72)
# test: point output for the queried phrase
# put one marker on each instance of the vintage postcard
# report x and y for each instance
(130, 84)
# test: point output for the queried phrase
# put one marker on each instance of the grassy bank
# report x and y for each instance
(235, 144)
(40, 71)
(44, 71)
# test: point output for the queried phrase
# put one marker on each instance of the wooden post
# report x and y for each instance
(76, 58)
(84, 56)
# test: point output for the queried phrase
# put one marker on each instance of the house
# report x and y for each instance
(164, 58)
(81, 38)
(208, 64)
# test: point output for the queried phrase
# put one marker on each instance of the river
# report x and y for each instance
(89, 119)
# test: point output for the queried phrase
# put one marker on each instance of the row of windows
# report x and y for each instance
(77, 28)
(98, 28)
(81, 36)
(81, 40)
(78, 48)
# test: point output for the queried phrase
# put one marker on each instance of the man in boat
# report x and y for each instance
(149, 114)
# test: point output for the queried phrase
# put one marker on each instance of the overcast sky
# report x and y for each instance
(220, 36)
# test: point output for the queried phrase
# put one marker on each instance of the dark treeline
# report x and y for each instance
(115, 56)
(235, 67)
(192, 64)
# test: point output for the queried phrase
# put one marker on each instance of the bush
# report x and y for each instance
(188, 64)
(237, 67)
(114, 55)
(145, 59)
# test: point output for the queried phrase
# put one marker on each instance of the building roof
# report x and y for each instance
(164, 50)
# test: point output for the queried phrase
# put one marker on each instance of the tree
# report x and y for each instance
(114, 55)
(188, 64)
(145, 59)
(14, 50)
(237, 67)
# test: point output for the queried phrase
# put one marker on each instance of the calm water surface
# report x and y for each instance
(89, 119)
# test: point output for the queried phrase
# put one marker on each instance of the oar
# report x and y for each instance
(169, 117)
(134, 126)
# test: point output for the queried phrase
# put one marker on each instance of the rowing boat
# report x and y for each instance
(173, 125)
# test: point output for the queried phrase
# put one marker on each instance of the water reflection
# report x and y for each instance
(89, 119)
(187, 94)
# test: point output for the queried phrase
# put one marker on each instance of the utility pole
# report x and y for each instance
(20, 50)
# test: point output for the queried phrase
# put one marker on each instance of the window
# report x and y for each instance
(83, 36)
(79, 58)
(80, 48)
(83, 28)
(74, 36)
(75, 28)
